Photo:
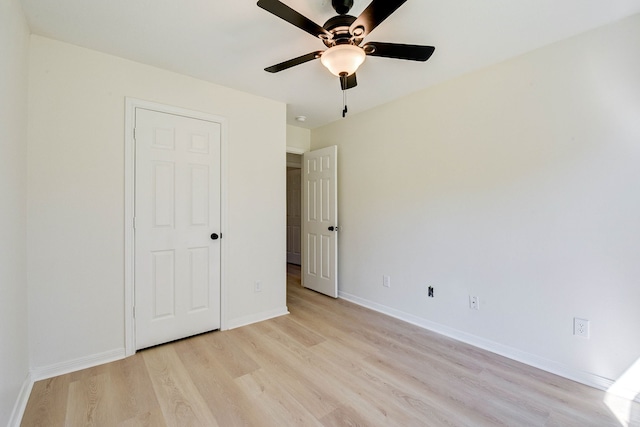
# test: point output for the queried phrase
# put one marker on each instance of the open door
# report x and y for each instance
(320, 221)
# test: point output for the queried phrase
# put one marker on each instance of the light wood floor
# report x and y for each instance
(329, 363)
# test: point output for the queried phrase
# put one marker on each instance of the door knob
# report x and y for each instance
(214, 236)
(332, 228)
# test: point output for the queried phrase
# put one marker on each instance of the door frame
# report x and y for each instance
(131, 104)
(300, 151)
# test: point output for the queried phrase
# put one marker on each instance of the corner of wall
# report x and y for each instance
(21, 402)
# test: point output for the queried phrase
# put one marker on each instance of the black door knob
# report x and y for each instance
(332, 228)
(214, 236)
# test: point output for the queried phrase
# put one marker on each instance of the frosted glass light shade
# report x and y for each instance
(343, 58)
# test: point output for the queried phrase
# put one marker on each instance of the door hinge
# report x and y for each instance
(134, 133)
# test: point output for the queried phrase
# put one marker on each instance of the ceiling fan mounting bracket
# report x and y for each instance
(342, 7)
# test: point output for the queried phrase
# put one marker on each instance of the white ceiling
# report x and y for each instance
(230, 42)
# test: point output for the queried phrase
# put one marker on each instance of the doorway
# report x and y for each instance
(317, 233)
(177, 227)
(199, 173)
(294, 209)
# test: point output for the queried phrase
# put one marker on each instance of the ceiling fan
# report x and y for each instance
(343, 35)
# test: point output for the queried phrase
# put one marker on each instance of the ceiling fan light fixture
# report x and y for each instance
(343, 58)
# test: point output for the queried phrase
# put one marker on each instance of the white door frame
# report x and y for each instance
(296, 150)
(300, 151)
(129, 203)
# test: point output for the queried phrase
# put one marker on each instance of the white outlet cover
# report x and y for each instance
(474, 302)
(581, 327)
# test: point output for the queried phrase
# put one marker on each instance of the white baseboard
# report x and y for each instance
(556, 368)
(21, 402)
(255, 318)
(62, 368)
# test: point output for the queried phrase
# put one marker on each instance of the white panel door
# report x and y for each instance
(294, 215)
(177, 225)
(320, 221)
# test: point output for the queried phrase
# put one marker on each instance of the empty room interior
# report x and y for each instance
(207, 219)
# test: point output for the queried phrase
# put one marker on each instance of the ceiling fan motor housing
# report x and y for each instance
(342, 6)
(339, 26)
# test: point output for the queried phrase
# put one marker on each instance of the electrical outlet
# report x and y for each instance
(581, 327)
(430, 291)
(386, 281)
(257, 287)
(474, 302)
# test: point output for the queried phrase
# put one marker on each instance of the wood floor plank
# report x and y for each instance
(221, 347)
(328, 379)
(180, 402)
(301, 383)
(214, 379)
(334, 374)
(47, 403)
(278, 407)
(91, 402)
(344, 416)
(459, 390)
(134, 391)
(328, 363)
(303, 335)
(152, 418)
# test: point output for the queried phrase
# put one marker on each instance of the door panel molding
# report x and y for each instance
(131, 104)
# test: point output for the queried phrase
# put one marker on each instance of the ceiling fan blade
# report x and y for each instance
(412, 52)
(283, 11)
(374, 14)
(293, 62)
(348, 82)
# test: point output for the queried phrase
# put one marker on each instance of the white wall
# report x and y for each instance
(76, 197)
(518, 183)
(14, 55)
(298, 139)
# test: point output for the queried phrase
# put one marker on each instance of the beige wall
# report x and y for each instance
(298, 139)
(14, 357)
(76, 197)
(517, 184)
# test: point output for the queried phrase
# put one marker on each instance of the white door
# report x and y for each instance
(177, 218)
(294, 215)
(320, 221)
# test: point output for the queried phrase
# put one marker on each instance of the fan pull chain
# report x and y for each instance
(344, 103)
(344, 84)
